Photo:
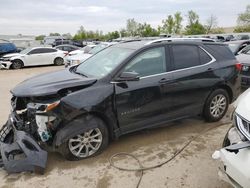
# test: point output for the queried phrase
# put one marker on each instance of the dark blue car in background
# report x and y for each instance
(7, 47)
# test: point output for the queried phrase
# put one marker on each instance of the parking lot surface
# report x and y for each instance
(194, 167)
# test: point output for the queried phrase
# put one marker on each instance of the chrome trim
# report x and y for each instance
(179, 39)
(210, 62)
(242, 129)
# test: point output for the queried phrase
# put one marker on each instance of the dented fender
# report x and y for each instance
(75, 127)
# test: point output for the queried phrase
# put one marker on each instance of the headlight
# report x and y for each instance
(245, 68)
(51, 106)
(75, 62)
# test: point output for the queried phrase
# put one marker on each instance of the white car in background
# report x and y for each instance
(85, 49)
(32, 57)
(79, 58)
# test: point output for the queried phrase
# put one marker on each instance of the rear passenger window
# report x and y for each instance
(150, 62)
(185, 56)
(204, 57)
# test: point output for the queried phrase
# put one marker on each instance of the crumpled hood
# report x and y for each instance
(50, 83)
(243, 58)
(243, 105)
(11, 55)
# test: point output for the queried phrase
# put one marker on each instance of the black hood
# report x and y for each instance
(50, 83)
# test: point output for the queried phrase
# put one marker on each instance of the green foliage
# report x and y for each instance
(242, 29)
(54, 34)
(132, 27)
(194, 27)
(172, 25)
(243, 21)
(40, 37)
(244, 18)
(145, 30)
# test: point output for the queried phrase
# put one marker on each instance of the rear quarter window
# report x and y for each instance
(221, 50)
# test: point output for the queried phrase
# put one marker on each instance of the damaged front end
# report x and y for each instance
(29, 129)
(235, 154)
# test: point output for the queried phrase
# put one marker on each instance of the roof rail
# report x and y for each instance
(179, 39)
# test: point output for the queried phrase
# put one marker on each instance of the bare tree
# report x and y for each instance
(211, 23)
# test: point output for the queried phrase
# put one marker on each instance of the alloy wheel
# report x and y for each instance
(218, 105)
(86, 144)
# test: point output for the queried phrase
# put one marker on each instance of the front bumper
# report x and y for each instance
(236, 159)
(5, 64)
(22, 152)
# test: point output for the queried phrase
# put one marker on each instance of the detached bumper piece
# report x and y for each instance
(236, 160)
(23, 154)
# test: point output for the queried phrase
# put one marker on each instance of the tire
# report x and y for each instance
(58, 61)
(216, 105)
(67, 148)
(17, 64)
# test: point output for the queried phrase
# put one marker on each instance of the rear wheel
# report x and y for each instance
(216, 105)
(17, 64)
(58, 61)
(86, 144)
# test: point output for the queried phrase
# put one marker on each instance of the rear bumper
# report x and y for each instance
(22, 152)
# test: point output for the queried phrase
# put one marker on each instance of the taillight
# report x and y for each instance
(238, 66)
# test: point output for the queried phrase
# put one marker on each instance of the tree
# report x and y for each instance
(168, 25)
(177, 20)
(145, 30)
(172, 25)
(244, 18)
(132, 27)
(194, 26)
(243, 21)
(40, 37)
(54, 34)
(211, 23)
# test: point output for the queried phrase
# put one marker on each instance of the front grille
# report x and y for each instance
(243, 125)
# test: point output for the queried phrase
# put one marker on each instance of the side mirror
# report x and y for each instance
(128, 76)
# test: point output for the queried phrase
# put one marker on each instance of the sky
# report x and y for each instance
(35, 17)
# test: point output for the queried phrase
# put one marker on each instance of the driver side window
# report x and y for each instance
(149, 62)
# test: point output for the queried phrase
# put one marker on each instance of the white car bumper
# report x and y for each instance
(237, 169)
(5, 64)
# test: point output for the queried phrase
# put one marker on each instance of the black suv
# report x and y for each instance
(124, 88)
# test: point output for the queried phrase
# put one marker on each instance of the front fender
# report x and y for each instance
(75, 127)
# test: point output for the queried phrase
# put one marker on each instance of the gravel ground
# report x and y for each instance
(193, 168)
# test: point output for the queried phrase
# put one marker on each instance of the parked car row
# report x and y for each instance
(77, 57)
(120, 89)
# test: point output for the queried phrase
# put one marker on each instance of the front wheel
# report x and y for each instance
(88, 143)
(58, 61)
(216, 105)
(17, 64)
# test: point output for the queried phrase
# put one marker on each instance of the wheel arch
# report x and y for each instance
(18, 59)
(73, 127)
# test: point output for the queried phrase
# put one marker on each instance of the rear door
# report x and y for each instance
(195, 74)
(139, 103)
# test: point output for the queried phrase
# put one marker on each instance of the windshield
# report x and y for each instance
(25, 51)
(98, 48)
(233, 47)
(246, 50)
(103, 62)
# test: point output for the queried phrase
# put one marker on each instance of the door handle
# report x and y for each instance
(165, 80)
(209, 69)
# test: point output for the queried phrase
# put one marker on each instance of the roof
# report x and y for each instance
(237, 41)
(136, 44)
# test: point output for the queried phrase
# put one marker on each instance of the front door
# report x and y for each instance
(139, 103)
